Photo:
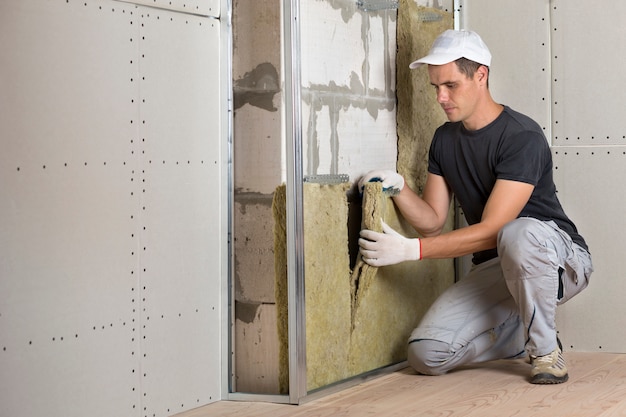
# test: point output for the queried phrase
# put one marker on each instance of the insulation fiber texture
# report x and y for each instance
(418, 114)
(389, 301)
(356, 320)
(327, 283)
(279, 211)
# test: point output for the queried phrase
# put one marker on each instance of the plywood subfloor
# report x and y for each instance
(597, 387)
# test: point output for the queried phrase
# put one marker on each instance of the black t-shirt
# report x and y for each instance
(512, 147)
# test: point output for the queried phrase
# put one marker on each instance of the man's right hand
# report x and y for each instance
(391, 180)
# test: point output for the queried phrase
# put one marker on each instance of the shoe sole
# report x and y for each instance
(547, 379)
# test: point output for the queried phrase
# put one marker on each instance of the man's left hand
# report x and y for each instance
(388, 248)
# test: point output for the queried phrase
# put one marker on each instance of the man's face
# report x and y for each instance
(457, 94)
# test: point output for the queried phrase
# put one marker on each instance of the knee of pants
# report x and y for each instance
(428, 357)
(516, 241)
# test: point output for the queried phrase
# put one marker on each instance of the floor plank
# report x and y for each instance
(597, 387)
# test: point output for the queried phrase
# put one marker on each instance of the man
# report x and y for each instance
(527, 254)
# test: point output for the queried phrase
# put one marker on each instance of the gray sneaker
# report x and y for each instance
(548, 369)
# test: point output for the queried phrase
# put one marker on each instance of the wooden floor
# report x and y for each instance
(596, 388)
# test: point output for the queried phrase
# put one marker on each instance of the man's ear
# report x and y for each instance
(482, 73)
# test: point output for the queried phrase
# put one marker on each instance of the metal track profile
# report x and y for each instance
(327, 178)
(295, 206)
(374, 5)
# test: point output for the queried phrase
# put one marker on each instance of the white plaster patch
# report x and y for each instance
(377, 53)
(319, 155)
(438, 4)
(332, 49)
(307, 125)
(366, 143)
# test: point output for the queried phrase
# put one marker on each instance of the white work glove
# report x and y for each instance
(388, 248)
(391, 180)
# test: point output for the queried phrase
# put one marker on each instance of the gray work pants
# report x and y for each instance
(505, 307)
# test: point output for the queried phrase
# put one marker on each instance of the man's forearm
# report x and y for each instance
(421, 215)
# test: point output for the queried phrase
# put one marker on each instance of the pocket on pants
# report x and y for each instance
(576, 273)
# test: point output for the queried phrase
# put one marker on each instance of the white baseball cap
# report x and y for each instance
(454, 44)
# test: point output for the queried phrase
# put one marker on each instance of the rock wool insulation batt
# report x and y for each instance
(356, 320)
(418, 114)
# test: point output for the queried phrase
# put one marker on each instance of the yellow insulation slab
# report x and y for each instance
(418, 114)
(356, 321)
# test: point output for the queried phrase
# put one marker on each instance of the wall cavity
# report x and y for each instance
(257, 171)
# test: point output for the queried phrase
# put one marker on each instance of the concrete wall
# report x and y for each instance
(348, 88)
(257, 164)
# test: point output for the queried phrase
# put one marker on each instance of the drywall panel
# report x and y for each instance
(199, 7)
(112, 209)
(68, 327)
(589, 139)
(180, 306)
(181, 216)
(588, 108)
(47, 87)
(589, 183)
(518, 36)
(586, 134)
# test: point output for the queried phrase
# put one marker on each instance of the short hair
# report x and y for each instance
(469, 67)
